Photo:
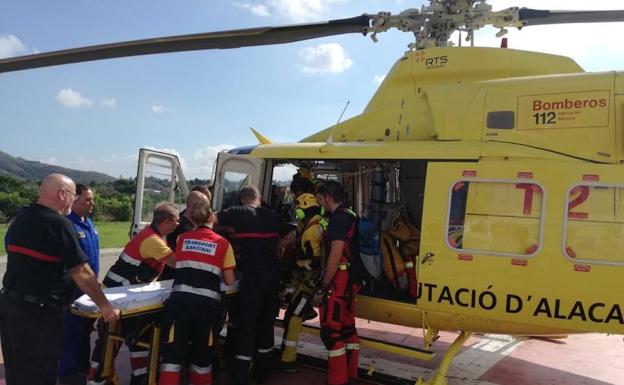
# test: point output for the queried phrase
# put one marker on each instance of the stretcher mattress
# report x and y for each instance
(136, 297)
(133, 297)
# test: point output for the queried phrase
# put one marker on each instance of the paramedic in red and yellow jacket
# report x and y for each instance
(202, 259)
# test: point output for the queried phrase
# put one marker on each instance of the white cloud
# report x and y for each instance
(256, 9)
(72, 99)
(201, 164)
(324, 58)
(160, 109)
(50, 160)
(118, 165)
(592, 45)
(295, 10)
(284, 172)
(204, 160)
(10, 46)
(379, 78)
(108, 103)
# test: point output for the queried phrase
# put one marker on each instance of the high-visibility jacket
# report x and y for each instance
(131, 267)
(201, 255)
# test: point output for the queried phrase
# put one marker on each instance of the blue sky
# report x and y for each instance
(95, 116)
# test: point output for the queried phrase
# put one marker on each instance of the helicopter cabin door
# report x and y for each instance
(159, 179)
(523, 247)
(234, 171)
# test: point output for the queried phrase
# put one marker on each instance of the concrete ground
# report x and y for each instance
(589, 359)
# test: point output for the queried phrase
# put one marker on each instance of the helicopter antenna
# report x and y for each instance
(343, 111)
(330, 138)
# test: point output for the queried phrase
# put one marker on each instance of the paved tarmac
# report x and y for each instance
(107, 258)
(589, 359)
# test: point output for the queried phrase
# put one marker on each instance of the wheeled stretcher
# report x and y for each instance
(133, 301)
(143, 300)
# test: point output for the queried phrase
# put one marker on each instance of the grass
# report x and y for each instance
(3, 229)
(112, 234)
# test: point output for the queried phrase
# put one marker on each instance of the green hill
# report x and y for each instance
(23, 169)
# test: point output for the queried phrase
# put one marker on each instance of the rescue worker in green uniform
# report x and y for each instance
(304, 277)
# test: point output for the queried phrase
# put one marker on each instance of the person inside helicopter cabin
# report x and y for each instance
(287, 245)
(300, 286)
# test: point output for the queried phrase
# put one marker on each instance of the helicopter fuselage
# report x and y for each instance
(521, 154)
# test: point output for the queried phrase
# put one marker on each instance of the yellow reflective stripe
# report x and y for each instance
(337, 352)
(409, 264)
(352, 346)
(343, 266)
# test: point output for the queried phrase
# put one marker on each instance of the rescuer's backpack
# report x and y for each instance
(399, 247)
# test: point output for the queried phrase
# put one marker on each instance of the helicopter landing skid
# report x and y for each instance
(440, 377)
(315, 356)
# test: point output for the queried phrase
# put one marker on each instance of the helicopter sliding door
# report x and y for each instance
(234, 171)
(531, 247)
(159, 179)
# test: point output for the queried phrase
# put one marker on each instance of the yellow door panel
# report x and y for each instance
(595, 241)
(500, 234)
(505, 199)
(477, 242)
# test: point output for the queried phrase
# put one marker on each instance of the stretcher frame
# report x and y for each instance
(112, 336)
(112, 332)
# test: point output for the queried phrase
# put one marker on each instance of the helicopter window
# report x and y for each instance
(496, 218)
(232, 183)
(594, 226)
(159, 186)
(281, 200)
(501, 120)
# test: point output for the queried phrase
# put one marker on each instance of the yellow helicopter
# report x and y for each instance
(506, 162)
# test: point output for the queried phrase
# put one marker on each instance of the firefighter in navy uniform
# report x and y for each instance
(304, 278)
(339, 286)
(256, 232)
(202, 258)
(44, 261)
(141, 261)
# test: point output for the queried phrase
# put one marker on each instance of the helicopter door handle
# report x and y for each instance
(428, 257)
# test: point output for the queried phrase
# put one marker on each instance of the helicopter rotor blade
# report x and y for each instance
(530, 17)
(211, 40)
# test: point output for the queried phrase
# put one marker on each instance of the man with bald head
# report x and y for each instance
(186, 223)
(44, 263)
(198, 194)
